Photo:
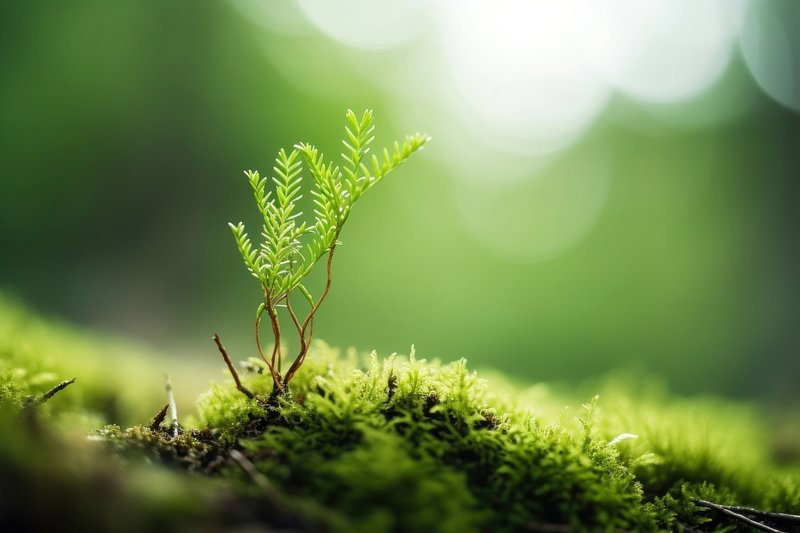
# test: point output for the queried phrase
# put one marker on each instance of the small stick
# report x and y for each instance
(737, 516)
(155, 423)
(258, 478)
(173, 407)
(55, 390)
(232, 370)
(764, 514)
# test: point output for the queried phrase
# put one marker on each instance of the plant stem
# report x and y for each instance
(173, 407)
(55, 390)
(258, 334)
(737, 516)
(306, 341)
(155, 423)
(232, 370)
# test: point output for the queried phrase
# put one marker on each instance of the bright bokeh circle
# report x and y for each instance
(519, 73)
(659, 51)
(542, 217)
(368, 24)
(770, 44)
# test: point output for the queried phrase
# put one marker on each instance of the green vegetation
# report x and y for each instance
(403, 444)
(364, 444)
(115, 379)
(350, 443)
(281, 262)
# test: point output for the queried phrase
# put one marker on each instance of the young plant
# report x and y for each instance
(291, 246)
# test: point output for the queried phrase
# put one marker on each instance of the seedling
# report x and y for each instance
(291, 246)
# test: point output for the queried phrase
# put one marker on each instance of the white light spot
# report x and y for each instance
(770, 44)
(660, 50)
(542, 217)
(520, 73)
(370, 24)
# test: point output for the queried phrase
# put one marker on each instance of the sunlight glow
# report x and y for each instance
(519, 69)
(369, 24)
(504, 86)
(771, 47)
(659, 51)
(540, 218)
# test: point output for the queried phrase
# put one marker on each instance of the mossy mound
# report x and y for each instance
(367, 445)
(404, 444)
(115, 378)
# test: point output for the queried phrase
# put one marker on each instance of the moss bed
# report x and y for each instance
(394, 444)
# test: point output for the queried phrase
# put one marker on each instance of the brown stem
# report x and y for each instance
(292, 314)
(304, 342)
(156, 421)
(737, 516)
(258, 334)
(765, 514)
(55, 390)
(276, 375)
(232, 370)
(276, 333)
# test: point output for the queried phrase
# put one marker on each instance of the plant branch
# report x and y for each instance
(232, 370)
(156, 421)
(295, 321)
(309, 320)
(737, 516)
(259, 479)
(764, 514)
(259, 315)
(276, 333)
(55, 390)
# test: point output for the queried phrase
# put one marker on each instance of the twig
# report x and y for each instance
(232, 370)
(155, 423)
(55, 390)
(276, 333)
(173, 407)
(258, 330)
(764, 514)
(310, 320)
(737, 516)
(258, 478)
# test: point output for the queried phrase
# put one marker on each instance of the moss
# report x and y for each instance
(381, 445)
(349, 437)
(115, 379)
(404, 444)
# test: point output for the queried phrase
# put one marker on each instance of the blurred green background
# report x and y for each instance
(610, 185)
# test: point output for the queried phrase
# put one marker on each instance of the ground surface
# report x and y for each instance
(369, 444)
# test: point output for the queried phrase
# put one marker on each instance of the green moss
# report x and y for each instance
(115, 381)
(370, 442)
(382, 445)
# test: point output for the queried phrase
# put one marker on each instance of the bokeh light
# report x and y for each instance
(541, 217)
(526, 52)
(624, 174)
(367, 23)
(770, 44)
(659, 51)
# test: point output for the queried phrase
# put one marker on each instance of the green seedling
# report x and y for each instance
(292, 246)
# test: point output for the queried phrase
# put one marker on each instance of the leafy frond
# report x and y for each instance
(329, 202)
(282, 260)
(359, 137)
(251, 257)
(401, 153)
(290, 246)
